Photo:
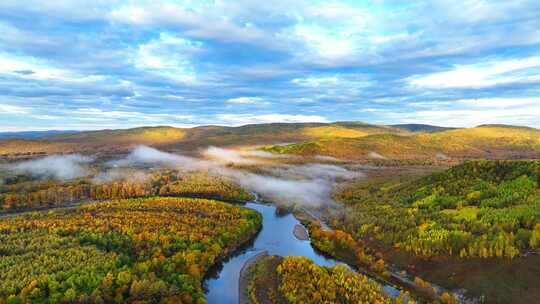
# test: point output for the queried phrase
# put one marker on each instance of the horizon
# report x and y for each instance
(90, 65)
(244, 125)
(225, 152)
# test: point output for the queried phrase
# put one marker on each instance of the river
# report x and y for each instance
(277, 238)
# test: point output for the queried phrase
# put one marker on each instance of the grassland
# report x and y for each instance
(93, 141)
(348, 130)
(347, 140)
(110, 141)
(490, 141)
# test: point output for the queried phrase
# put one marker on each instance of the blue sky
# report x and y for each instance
(117, 64)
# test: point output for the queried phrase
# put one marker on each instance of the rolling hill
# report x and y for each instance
(92, 141)
(487, 141)
(345, 140)
(187, 139)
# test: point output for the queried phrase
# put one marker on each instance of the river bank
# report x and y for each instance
(276, 238)
(394, 277)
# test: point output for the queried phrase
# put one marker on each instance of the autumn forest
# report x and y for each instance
(353, 223)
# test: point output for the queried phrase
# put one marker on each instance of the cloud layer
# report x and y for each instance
(74, 64)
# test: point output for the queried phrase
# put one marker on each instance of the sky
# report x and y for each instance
(77, 65)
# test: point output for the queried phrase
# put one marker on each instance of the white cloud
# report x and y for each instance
(390, 38)
(33, 69)
(247, 100)
(30, 68)
(10, 109)
(342, 13)
(480, 11)
(313, 81)
(282, 53)
(206, 22)
(484, 74)
(325, 43)
(125, 119)
(369, 110)
(338, 81)
(168, 56)
(47, 117)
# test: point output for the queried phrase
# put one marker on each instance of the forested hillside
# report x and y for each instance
(477, 209)
(153, 250)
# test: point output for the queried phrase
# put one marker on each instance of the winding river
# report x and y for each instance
(277, 238)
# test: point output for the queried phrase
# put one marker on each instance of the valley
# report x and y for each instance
(394, 214)
(269, 152)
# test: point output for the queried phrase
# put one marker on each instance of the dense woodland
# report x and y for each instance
(129, 251)
(157, 249)
(299, 280)
(21, 193)
(343, 246)
(477, 209)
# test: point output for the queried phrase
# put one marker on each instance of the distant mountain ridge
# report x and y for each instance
(347, 140)
(35, 134)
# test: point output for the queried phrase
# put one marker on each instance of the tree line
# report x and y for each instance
(20, 195)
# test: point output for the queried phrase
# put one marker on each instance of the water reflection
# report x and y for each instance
(276, 237)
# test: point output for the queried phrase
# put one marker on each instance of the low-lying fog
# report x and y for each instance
(307, 184)
(61, 167)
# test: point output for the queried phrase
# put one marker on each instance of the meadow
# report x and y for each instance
(489, 141)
